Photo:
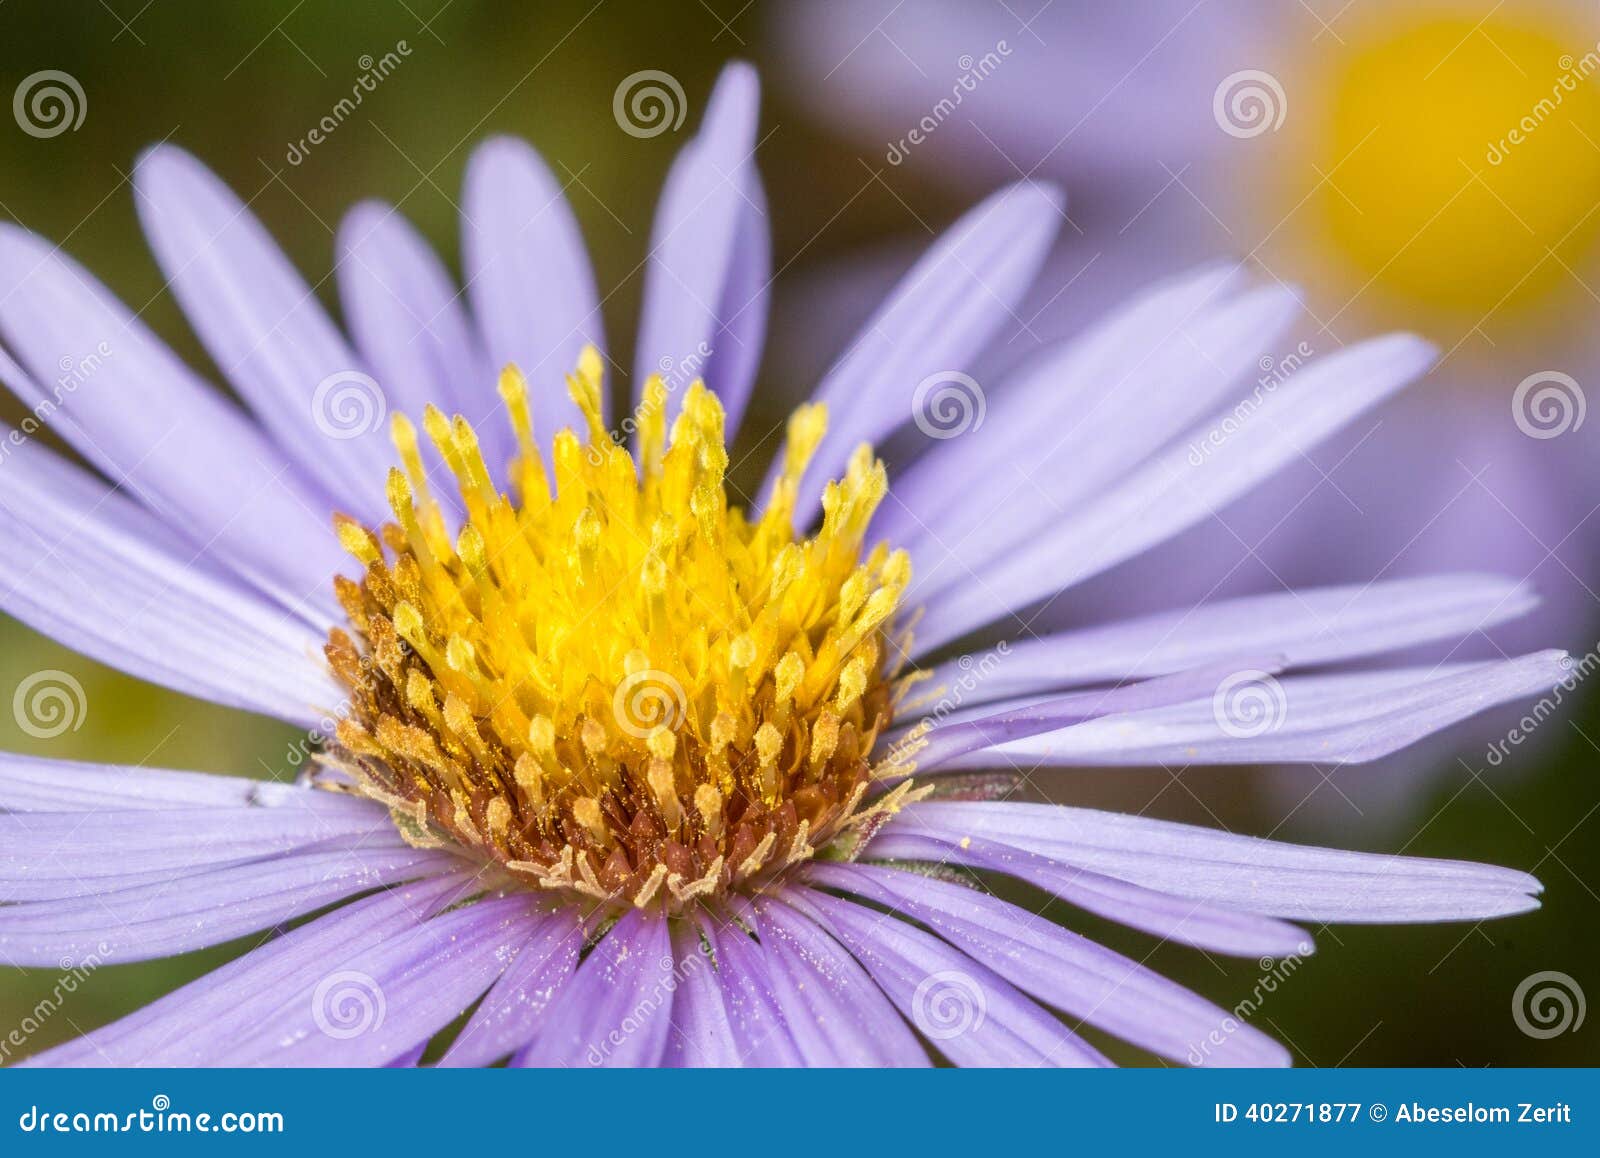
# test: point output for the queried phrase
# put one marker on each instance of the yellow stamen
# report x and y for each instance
(621, 686)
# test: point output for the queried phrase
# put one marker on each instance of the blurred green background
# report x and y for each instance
(237, 83)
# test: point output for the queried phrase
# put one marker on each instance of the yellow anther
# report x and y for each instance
(708, 803)
(542, 735)
(419, 693)
(663, 786)
(790, 671)
(586, 811)
(530, 779)
(469, 545)
(584, 386)
(498, 815)
(357, 540)
(723, 730)
(769, 743)
(458, 653)
(437, 426)
(652, 417)
(408, 622)
(398, 492)
(514, 393)
(662, 743)
(824, 737)
(852, 682)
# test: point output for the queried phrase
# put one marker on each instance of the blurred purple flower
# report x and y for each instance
(207, 566)
(1367, 148)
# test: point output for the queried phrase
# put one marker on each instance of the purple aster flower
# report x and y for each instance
(615, 769)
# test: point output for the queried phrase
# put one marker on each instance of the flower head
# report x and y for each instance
(626, 767)
(618, 687)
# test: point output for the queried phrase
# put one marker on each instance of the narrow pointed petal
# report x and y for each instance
(750, 989)
(835, 1011)
(1242, 872)
(169, 917)
(528, 277)
(1310, 626)
(937, 321)
(101, 575)
(703, 1025)
(985, 730)
(37, 784)
(372, 1006)
(1058, 967)
(1349, 718)
(972, 1015)
(408, 318)
(512, 1012)
(705, 292)
(1156, 500)
(1181, 919)
(147, 421)
(617, 1010)
(196, 1024)
(263, 326)
(1059, 431)
(40, 847)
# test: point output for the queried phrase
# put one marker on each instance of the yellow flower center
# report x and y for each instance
(616, 684)
(1461, 156)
